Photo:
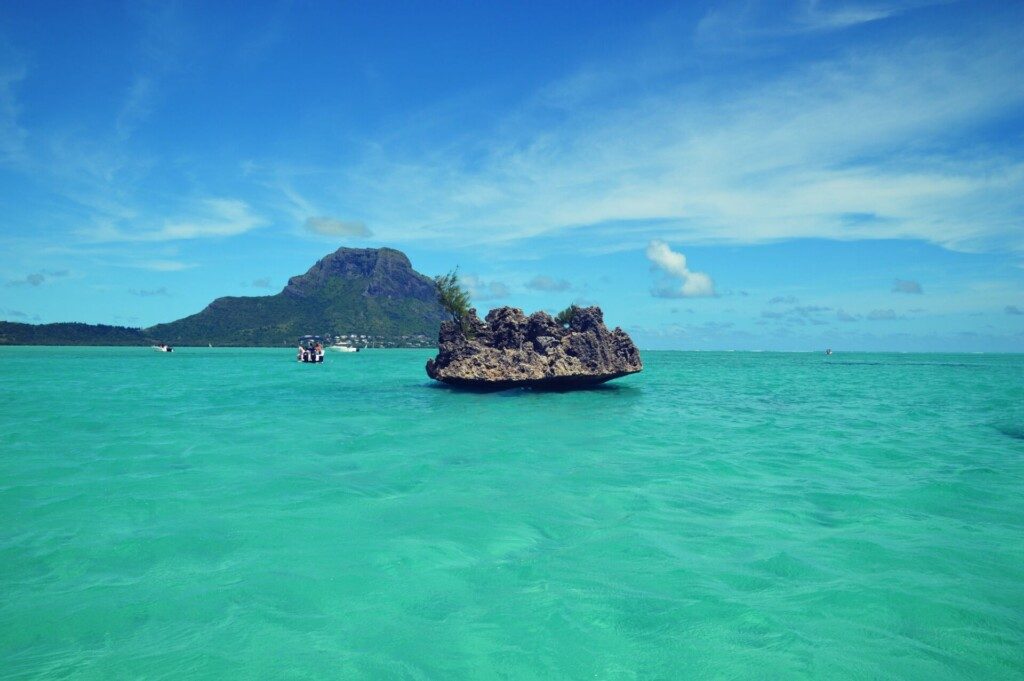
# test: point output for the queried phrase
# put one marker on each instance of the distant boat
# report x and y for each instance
(162, 347)
(828, 351)
(311, 350)
(343, 347)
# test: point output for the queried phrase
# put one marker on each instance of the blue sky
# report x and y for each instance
(736, 175)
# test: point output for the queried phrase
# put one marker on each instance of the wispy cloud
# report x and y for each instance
(906, 286)
(688, 284)
(327, 226)
(161, 265)
(1013, 309)
(161, 50)
(737, 24)
(149, 293)
(728, 159)
(209, 218)
(137, 105)
(262, 282)
(844, 316)
(16, 314)
(882, 315)
(12, 72)
(800, 314)
(38, 278)
(545, 283)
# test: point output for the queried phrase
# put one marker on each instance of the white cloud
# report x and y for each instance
(480, 290)
(690, 284)
(328, 226)
(818, 151)
(161, 265)
(209, 218)
(735, 25)
(221, 217)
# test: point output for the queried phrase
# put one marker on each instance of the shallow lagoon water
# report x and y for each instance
(230, 513)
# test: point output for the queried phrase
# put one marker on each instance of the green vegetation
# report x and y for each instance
(371, 292)
(69, 333)
(566, 316)
(450, 294)
(367, 291)
(454, 299)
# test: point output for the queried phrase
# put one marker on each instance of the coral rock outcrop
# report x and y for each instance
(508, 349)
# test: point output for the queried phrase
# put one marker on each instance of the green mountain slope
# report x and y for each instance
(69, 333)
(367, 291)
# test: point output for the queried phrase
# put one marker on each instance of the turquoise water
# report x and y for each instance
(219, 513)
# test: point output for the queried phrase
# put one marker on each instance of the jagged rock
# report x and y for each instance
(509, 349)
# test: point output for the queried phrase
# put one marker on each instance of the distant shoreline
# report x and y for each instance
(836, 358)
(79, 334)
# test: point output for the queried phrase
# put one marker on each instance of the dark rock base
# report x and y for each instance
(554, 384)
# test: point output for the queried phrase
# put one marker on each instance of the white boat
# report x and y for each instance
(162, 348)
(311, 350)
(341, 347)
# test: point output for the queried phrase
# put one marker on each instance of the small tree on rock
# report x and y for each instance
(453, 298)
(566, 316)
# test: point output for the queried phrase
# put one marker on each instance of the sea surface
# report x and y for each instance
(233, 514)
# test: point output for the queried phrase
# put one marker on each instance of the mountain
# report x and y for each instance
(69, 333)
(369, 291)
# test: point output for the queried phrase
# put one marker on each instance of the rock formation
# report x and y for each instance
(509, 349)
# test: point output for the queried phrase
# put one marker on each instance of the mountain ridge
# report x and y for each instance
(368, 291)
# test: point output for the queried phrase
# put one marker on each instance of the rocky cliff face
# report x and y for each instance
(509, 349)
(383, 272)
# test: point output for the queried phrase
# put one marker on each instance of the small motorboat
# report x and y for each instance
(828, 351)
(311, 350)
(343, 347)
(162, 347)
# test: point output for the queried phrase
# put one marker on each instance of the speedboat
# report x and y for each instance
(311, 350)
(343, 347)
(162, 347)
